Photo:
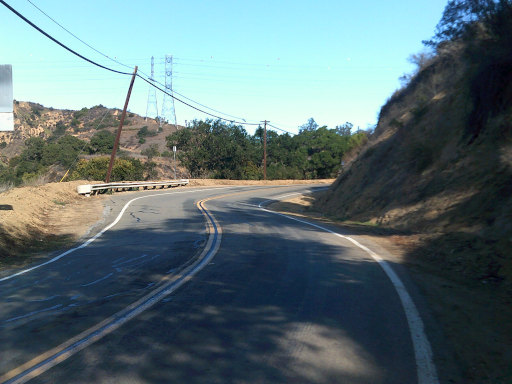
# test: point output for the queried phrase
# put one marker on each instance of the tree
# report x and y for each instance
(60, 130)
(311, 125)
(96, 169)
(460, 19)
(344, 129)
(102, 142)
(151, 151)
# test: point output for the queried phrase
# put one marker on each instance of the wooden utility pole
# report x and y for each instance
(116, 142)
(265, 150)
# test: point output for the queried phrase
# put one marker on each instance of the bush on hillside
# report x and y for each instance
(96, 169)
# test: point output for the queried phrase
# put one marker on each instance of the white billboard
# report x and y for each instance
(6, 98)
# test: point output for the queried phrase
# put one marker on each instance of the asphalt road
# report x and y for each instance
(274, 301)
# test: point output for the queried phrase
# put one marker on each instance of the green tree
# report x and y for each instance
(344, 129)
(311, 125)
(102, 142)
(96, 169)
(462, 18)
(60, 130)
(151, 151)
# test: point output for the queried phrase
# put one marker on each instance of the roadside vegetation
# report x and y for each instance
(208, 149)
(214, 149)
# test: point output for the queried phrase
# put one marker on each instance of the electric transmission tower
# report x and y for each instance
(168, 111)
(152, 106)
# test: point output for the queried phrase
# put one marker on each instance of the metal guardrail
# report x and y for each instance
(91, 189)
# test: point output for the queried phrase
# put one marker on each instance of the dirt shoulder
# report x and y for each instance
(36, 220)
(468, 321)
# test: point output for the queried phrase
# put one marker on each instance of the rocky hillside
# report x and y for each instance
(440, 163)
(35, 120)
(140, 137)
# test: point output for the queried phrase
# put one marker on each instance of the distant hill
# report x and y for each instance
(35, 120)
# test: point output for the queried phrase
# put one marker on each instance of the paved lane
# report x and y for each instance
(280, 302)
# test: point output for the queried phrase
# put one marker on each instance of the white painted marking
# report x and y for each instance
(95, 237)
(32, 313)
(129, 260)
(426, 369)
(42, 300)
(249, 205)
(97, 281)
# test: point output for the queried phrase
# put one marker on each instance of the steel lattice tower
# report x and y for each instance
(152, 106)
(168, 111)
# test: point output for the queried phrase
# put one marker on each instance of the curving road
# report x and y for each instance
(250, 297)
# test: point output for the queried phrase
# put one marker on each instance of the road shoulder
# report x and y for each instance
(392, 246)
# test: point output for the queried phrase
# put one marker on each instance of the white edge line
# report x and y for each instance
(95, 237)
(426, 369)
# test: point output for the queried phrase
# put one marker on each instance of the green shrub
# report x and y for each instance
(151, 152)
(96, 169)
(102, 142)
(145, 132)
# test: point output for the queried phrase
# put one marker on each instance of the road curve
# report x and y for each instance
(275, 301)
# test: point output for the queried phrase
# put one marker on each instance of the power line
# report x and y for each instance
(280, 129)
(151, 81)
(211, 109)
(57, 41)
(108, 57)
(191, 106)
(76, 37)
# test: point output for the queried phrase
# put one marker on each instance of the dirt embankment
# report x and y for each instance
(42, 218)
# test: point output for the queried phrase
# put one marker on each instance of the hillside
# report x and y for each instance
(440, 162)
(34, 120)
(437, 174)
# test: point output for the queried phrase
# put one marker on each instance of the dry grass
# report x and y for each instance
(35, 219)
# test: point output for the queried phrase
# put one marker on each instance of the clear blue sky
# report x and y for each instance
(280, 60)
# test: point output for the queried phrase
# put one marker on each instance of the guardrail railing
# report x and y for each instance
(91, 189)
